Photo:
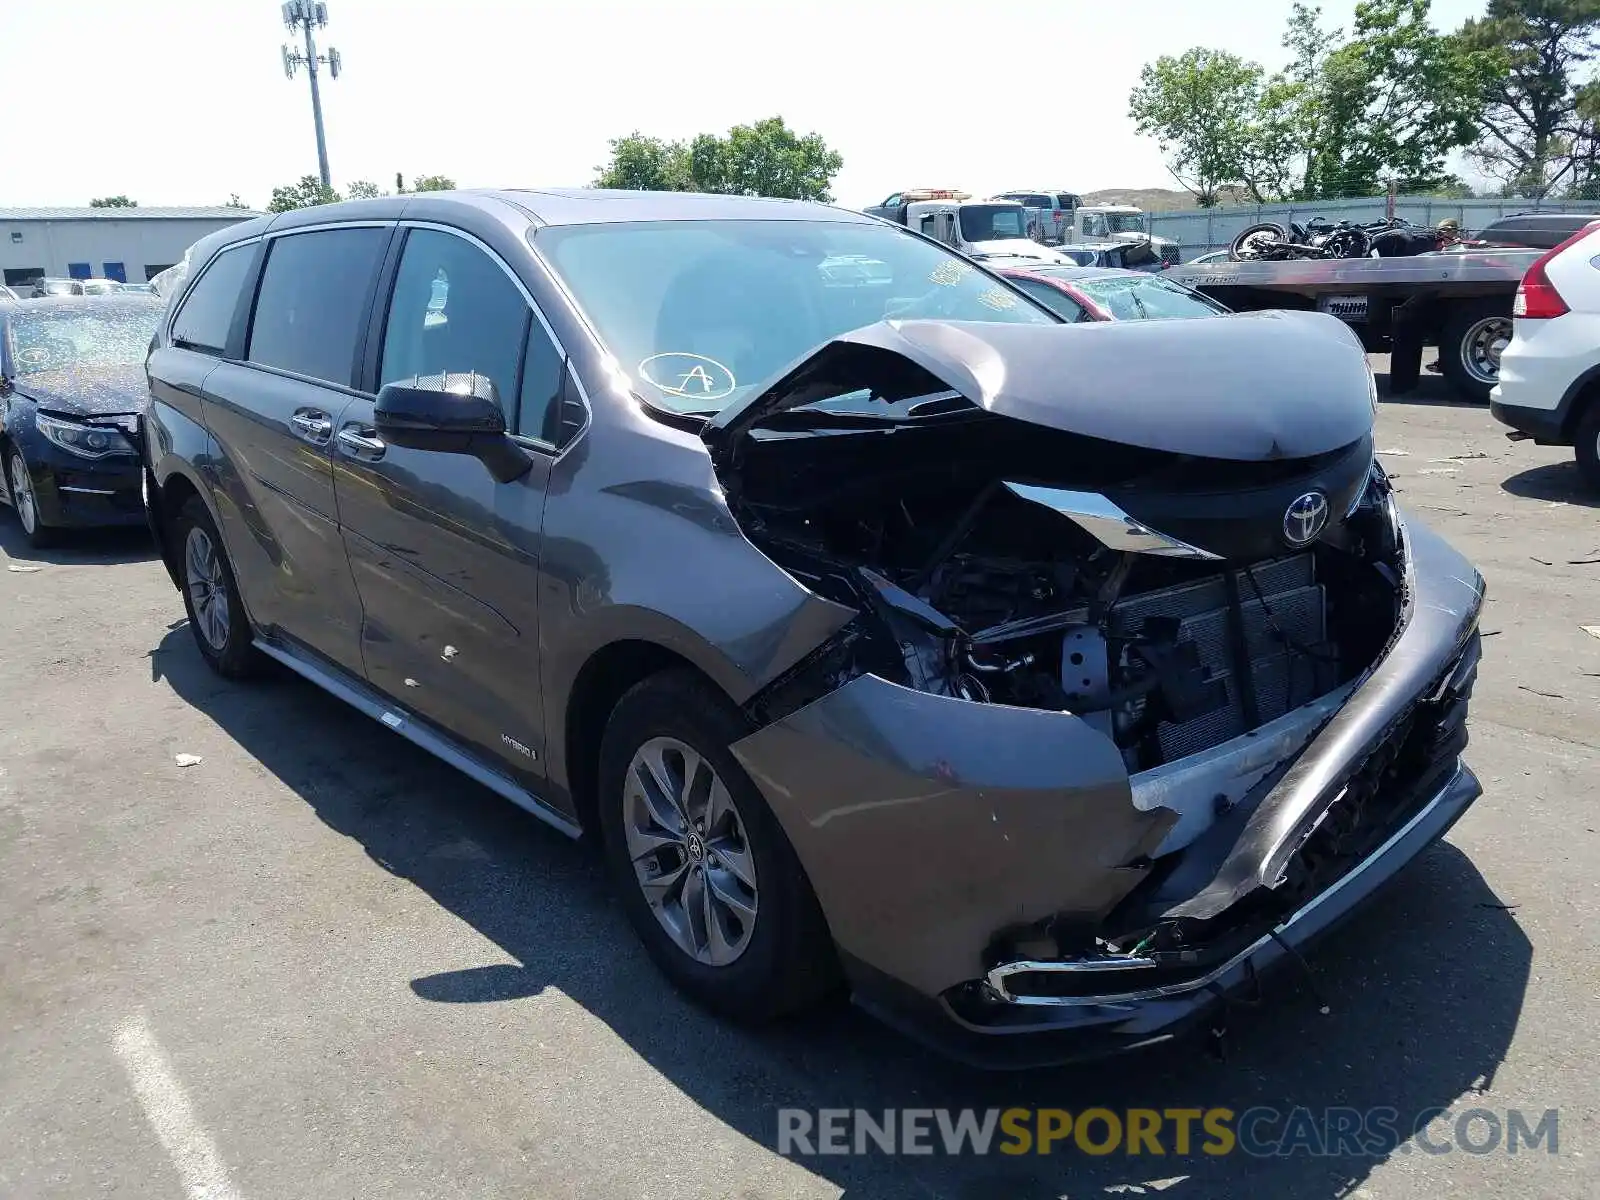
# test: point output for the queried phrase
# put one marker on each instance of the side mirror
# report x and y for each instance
(451, 414)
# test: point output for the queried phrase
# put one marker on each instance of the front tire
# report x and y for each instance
(211, 596)
(706, 875)
(1586, 445)
(19, 484)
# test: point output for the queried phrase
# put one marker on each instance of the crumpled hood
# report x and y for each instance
(1248, 387)
(89, 391)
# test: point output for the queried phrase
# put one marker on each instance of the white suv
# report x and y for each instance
(1549, 385)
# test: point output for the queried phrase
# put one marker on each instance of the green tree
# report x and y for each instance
(362, 189)
(1395, 101)
(234, 201)
(1532, 134)
(307, 192)
(763, 159)
(646, 164)
(1198, 107)
(113, 202)
(433, 183)
(1283, 145)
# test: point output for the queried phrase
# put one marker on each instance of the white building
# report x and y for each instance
(127, 244)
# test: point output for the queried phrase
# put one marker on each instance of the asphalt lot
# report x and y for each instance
(319, 964)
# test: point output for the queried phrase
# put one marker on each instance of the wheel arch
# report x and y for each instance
(603, 679)
(1582, 394)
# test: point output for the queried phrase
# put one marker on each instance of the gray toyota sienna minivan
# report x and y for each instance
(1037, 683)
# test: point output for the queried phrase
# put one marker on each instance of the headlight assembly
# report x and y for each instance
(84, 440)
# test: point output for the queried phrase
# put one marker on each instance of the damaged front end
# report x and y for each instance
(1149, 672)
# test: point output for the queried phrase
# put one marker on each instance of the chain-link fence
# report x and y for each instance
(1201, 230)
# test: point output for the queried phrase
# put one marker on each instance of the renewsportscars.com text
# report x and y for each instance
(1161, 1132)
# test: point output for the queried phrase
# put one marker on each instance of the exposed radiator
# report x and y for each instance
(1285, 635)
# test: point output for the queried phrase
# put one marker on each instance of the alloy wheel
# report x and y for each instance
(686, 840)
(1482, 346)
(22, 494)
(208, 592)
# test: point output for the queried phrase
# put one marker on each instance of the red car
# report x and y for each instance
(1106, 294)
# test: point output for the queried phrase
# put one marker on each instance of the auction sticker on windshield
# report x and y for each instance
(691, 376)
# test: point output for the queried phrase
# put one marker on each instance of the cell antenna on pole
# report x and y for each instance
(304, 17)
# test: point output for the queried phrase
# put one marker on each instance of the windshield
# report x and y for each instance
(60, 287)
(991, 222)
(1141, 297)
(1126, 222)
(699, 313)
(104, 337)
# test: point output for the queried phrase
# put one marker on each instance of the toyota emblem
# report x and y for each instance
(1304, 519)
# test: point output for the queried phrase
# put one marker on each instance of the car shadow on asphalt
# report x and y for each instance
(1422, 992)
(73, 547)
(1555, 482)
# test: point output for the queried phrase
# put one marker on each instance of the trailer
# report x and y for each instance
(1459, 300)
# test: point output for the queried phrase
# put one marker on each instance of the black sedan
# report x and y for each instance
(72, 386)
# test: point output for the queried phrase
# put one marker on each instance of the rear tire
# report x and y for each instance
(1475, 332)
(1586, 445)
(217, 617)
(706, 875)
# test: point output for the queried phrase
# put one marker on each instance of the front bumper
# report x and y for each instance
(77, 493)
(937, 832)
(1025, 1035)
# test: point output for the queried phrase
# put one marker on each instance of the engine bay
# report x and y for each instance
(969, 588)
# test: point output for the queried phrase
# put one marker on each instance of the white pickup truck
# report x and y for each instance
(1119, 223)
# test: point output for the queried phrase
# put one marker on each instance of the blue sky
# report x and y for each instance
(185, 102)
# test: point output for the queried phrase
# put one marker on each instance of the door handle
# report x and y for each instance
(361, 445)
(312, 425)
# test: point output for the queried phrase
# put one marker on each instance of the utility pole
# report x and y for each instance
(305, 16)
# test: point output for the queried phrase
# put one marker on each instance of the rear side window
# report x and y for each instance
(1067, 200)
(312, 301)
(206, 316)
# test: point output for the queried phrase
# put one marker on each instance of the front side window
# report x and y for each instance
(81, 338)
(698, 313)
(312, 301)
(454, 309)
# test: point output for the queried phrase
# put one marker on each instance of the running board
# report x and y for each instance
(420, 734)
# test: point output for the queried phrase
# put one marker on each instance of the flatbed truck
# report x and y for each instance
(1459, 300)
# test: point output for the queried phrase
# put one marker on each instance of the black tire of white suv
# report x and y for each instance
(1586, 444)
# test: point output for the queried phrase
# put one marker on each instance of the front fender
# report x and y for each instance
(172, 445)
(926, 824)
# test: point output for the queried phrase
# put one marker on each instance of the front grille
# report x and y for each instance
(1285, 638)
